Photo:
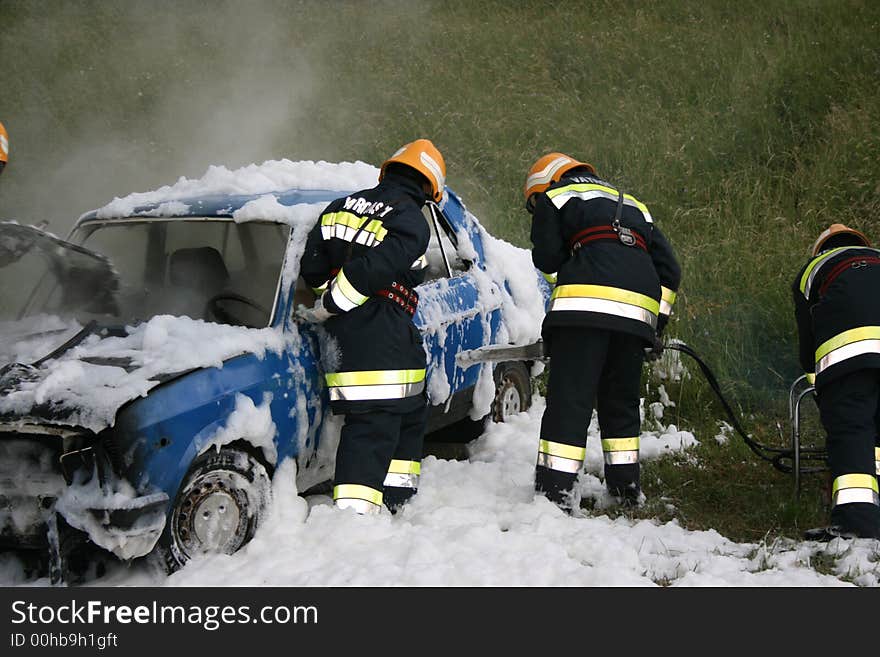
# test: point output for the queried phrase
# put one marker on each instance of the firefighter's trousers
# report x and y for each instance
(850, 410)
(590, 367)
(379, 459)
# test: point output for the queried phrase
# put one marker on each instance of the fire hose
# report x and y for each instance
(782, 458)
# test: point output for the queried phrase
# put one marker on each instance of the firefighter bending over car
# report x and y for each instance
(364, 257)
(617, 278)
(838, 319)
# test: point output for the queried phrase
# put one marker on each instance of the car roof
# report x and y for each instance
(218, 205)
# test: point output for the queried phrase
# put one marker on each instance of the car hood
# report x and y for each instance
(87, 379)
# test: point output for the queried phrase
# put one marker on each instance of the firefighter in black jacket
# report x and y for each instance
(365, 256)
(617, 278)
(838, 319)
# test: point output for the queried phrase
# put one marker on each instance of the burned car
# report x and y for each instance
(154, 374)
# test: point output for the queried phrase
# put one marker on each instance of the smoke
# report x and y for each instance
(110, 98)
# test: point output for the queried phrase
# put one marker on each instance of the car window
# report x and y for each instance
(215, 270)
(441, 248)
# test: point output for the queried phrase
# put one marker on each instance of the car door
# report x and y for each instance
(459, 309)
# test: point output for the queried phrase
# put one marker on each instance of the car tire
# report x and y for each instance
(218, 507)
(513, 391)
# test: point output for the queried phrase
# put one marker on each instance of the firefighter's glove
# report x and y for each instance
(314, 315)
(655, 351)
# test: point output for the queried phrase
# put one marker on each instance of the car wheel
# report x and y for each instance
(513, 391)
(218, 507)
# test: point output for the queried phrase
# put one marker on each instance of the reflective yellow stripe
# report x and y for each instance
(587, 191)
(320, 290)
(369, 226)
(667, 300)
(812, 265)
(847, 337)
(398, 466)
(375, 377)
(344, 218)
(550, 278)
(877, 461)
(620, 444)
(344, 293)
(581, 187)
(816, 263)
(357, 492)
(563, 450)
(854, 481)
(609, 293)
(811, 378)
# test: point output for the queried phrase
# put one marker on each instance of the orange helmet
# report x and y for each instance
(424, 157)
(4, 147)
(548, 170)
(838, 229)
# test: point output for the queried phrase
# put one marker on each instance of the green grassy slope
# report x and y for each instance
(746, 127)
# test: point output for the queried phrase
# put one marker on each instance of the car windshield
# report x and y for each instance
(204, 268)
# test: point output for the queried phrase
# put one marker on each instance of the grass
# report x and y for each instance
(746, 128)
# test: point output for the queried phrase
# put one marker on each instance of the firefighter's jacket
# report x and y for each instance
(365, 253)
(601, 282)
(837, 312)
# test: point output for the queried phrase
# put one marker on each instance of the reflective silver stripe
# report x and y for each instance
(621, 451)
(545, 175)
(361, 506)
(420, 263)
(877, 461)
(401, 480)
(667, 300)
(403, 473)
(606, 307)
(561, 456)
(559, 463)
(846, 352)
(379, 391)
(344, 294)
(855, 487)
(432, 166)
(622, 458)
(852, 495)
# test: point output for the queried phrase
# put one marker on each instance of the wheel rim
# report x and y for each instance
(509, 401)
(212, 515)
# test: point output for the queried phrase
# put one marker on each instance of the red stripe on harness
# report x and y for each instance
(602, 233)
(402, 296)
(856, 262)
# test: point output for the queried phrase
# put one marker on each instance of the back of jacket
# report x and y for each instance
(365, 254)
(602, 282)
(837, 312)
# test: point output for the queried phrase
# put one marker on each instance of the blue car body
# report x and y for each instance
(156, 438)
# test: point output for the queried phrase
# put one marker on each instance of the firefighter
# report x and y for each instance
(364, 257)
(838, 320)
(4, 148)
(616, 281)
